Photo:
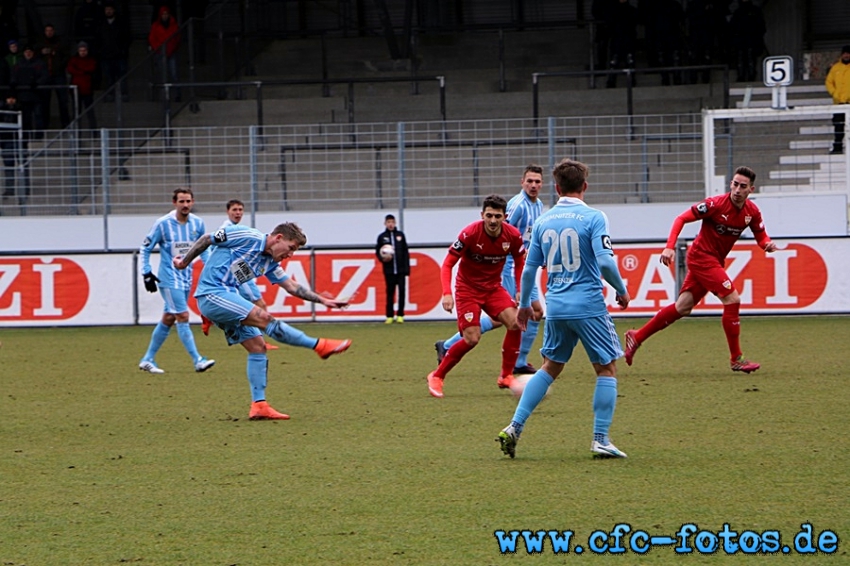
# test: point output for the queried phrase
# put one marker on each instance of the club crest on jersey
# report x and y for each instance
(468, 317)
(727, 284)
(606, 243)
(220, 236)
(747, 219)
(457, 246)
(506, 246)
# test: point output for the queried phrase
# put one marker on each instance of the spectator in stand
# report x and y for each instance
(81, 68)
(27, 75)
(622, 24)
(706, 30)
(14, 54)
(747, 29)
(87, 25)
(664, 20)
(164, 39)
(115, 39)
(601, 11)
(9, 142)
(838, 87)
(55, 53)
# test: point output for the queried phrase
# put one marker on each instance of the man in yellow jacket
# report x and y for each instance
(838, 87)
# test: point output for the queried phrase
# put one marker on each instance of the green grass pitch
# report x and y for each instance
(103, 464)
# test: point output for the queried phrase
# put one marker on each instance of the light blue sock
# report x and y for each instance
(604, 402)
(158, 336)
(284, 333)
(486, 325)
(534, 392)
(188, 339)
(258, 369)
(528, 338)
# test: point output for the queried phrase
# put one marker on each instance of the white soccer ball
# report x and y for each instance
(519, 383)
(387, 252)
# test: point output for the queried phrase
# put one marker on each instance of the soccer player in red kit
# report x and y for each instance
(724, 218)
(481, 248)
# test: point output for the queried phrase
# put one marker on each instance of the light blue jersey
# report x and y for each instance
(521, 214)
(237, 257)
(174, 239)
(567, 239)
(249, 289)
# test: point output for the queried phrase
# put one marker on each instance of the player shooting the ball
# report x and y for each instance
(241, 254)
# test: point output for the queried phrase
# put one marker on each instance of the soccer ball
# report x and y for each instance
(519, 383)
(387, 252)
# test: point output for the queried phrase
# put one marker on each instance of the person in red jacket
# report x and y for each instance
(164, 39)
(81, 67)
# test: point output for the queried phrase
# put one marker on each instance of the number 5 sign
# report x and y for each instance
(778, 71)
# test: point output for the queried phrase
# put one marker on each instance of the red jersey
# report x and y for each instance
(722, 225)
(482, 257)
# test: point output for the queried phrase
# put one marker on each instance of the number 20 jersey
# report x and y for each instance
(567, 239)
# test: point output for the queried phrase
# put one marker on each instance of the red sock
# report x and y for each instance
(662, 319)
(510, 351)
(452, 357)
(732, 327)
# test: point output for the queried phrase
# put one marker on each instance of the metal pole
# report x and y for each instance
(254, 178)
(104, 183)
(259, 86)
(401, 178)
(535, 100)
(326, 91)
(551, 145)
(502, 86)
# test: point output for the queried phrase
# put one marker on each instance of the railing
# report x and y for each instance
(628, 74)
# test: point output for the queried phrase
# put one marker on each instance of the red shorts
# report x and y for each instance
(702, 280)
(468, 306)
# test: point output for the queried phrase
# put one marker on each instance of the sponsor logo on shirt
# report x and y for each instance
(606, 243)
(220, 236)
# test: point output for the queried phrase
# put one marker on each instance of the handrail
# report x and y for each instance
(535, 80)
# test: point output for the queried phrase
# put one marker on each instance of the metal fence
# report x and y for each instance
(436, 164)
(352, 166)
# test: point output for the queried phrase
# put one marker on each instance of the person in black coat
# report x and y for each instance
(396, 267)
(115, 39)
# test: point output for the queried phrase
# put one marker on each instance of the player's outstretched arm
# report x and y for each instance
(297, 290)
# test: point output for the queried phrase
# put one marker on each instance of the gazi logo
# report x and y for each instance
(54, 288)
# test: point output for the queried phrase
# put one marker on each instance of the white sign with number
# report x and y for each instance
(778, 71)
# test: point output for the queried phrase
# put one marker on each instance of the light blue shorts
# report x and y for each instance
(597, 334)
(176, 300)
(250, 291)
(509, 284)
(227, 310)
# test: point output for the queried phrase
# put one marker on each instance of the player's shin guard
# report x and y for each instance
(284, 333)
(188, 339)
(534, 392)
(528, 338)
(453, 356)
(662, 319)
(731, 321)
(604, 403)
(158, 336)
(510, 351)
(258, 368)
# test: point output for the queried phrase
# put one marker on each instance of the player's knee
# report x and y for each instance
(472, 340)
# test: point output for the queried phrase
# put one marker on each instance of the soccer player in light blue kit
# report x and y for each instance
(235, 211)
(523, 209)
(174, 233)
(241, 254)
(572, 241)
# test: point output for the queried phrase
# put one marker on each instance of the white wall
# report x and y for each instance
(785, 217)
